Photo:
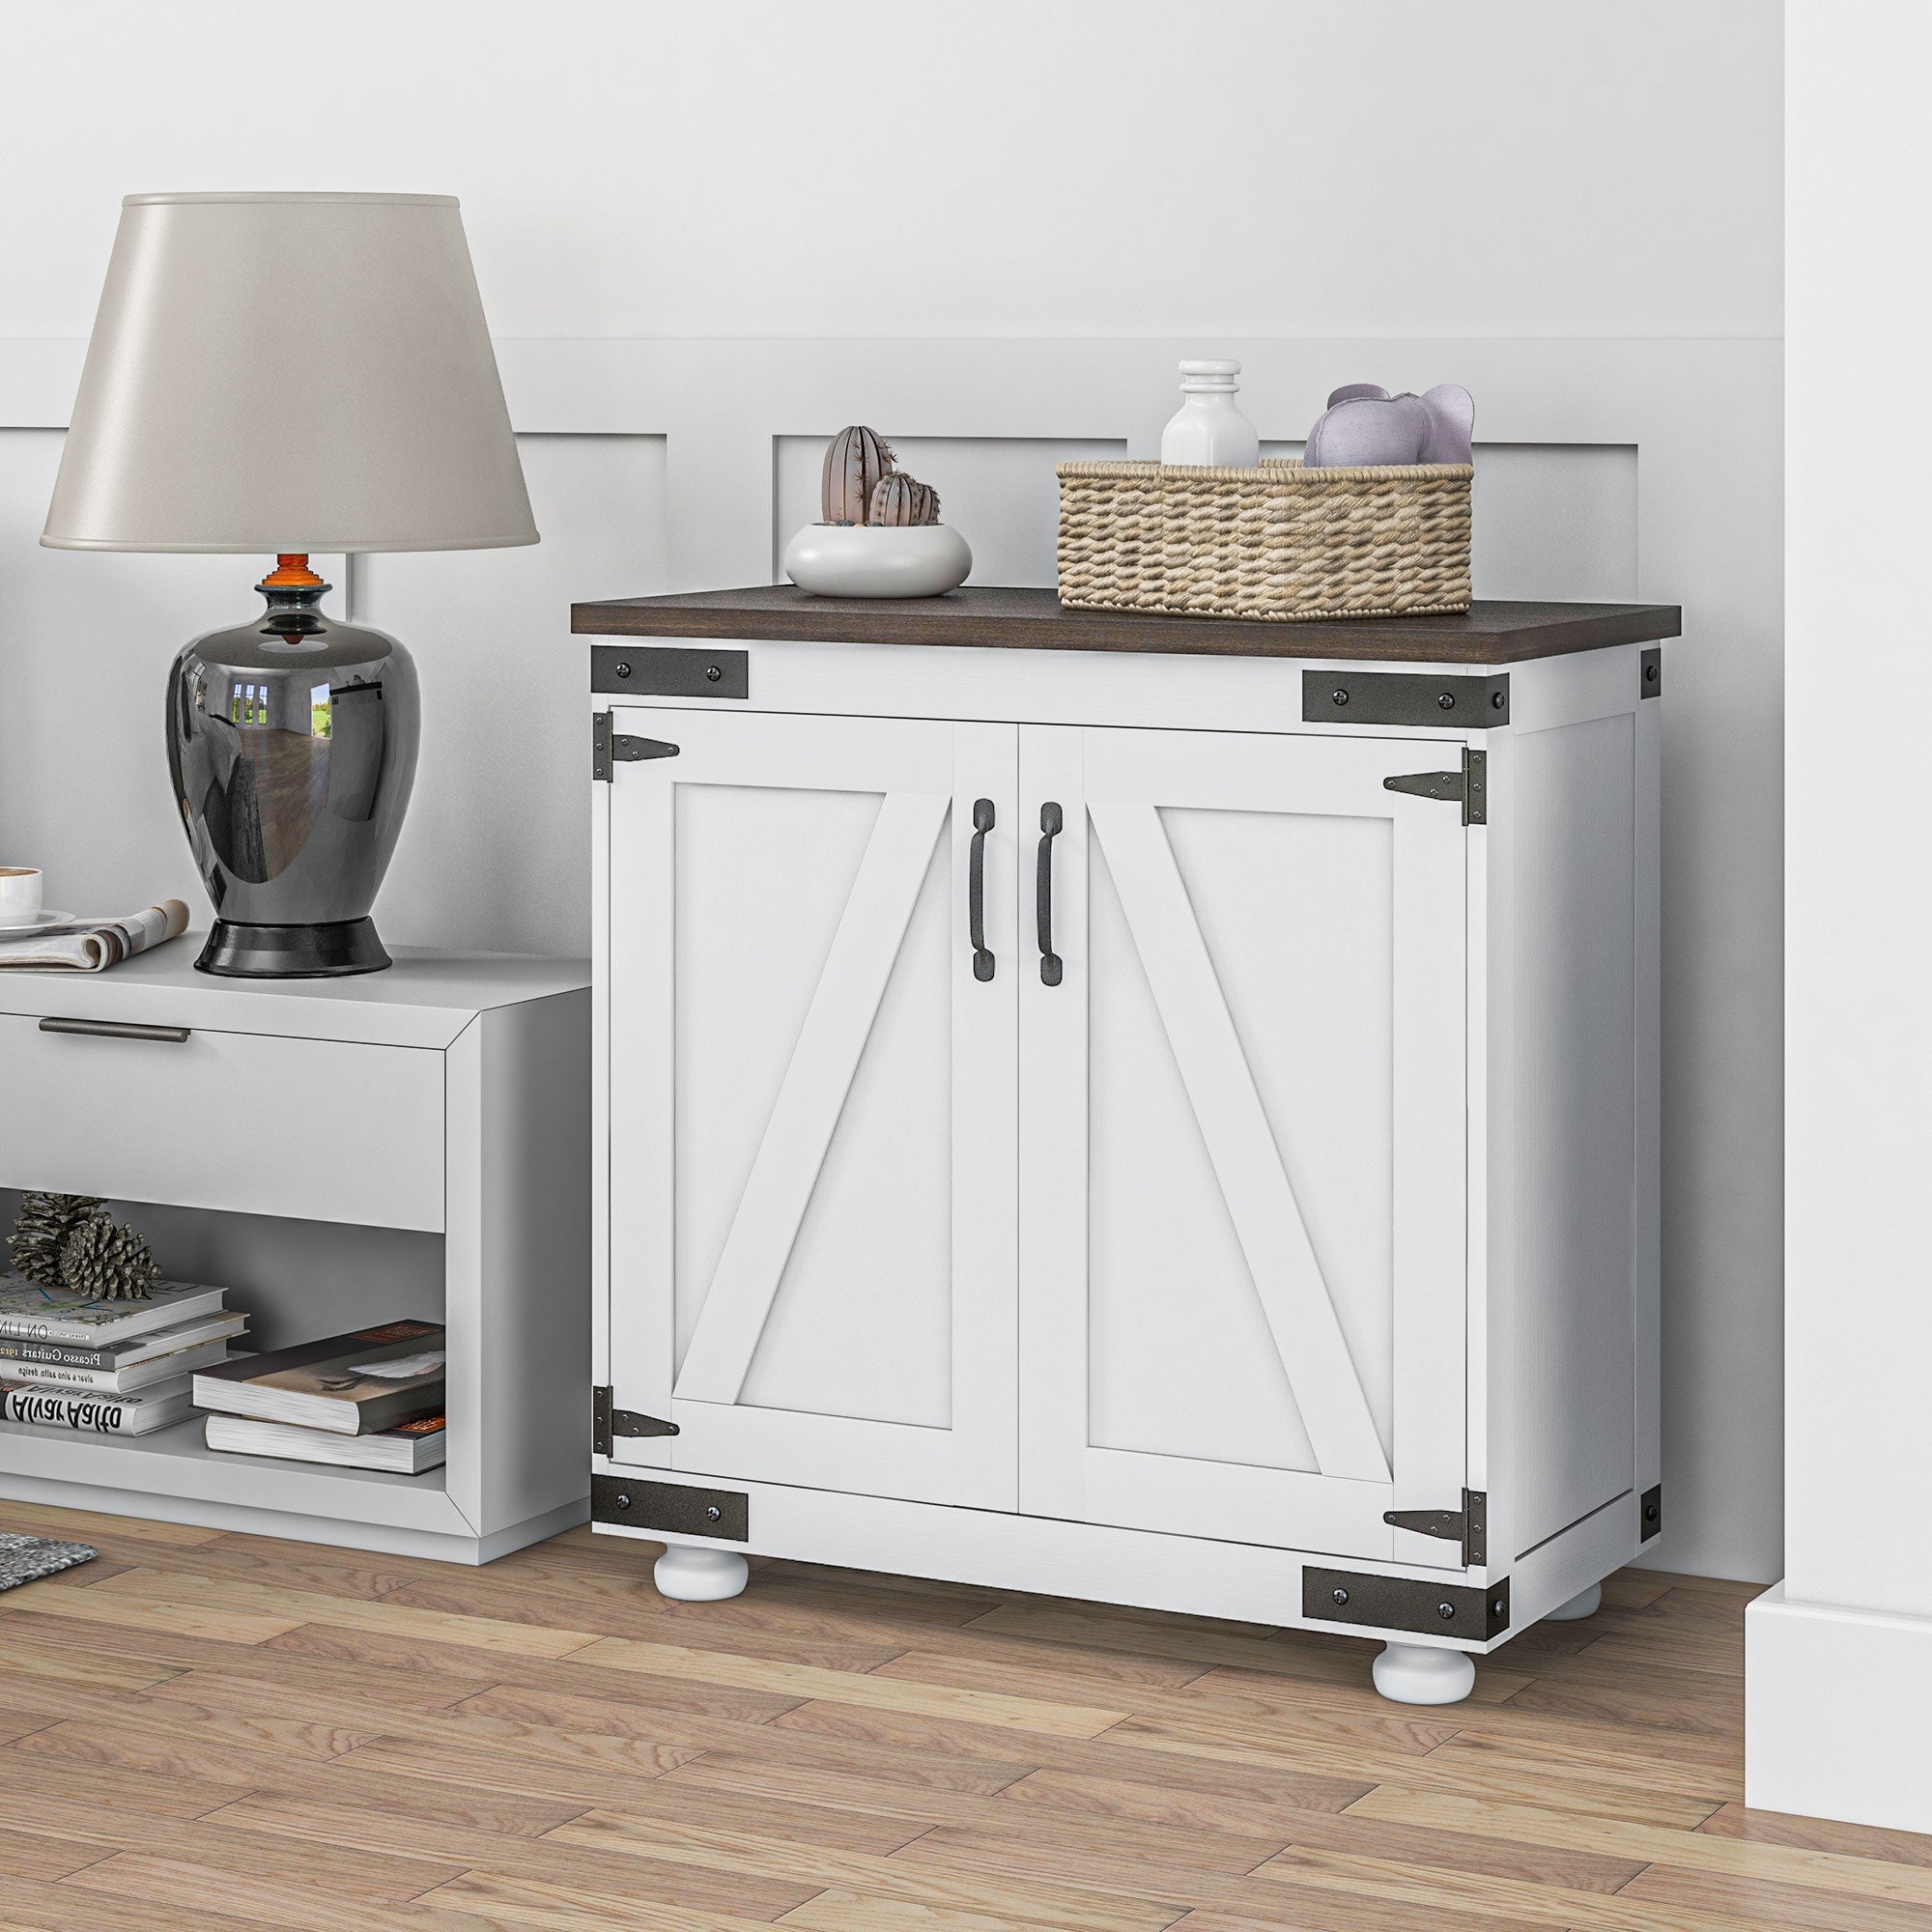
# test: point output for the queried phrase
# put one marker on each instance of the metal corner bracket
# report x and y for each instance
(1650, 1514)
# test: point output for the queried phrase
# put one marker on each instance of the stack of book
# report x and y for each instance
(108, 1368)
(371, 1400)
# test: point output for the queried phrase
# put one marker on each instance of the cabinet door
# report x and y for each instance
(1242, 1140)
(812, 1111)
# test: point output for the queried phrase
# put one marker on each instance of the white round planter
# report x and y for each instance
(872, 560)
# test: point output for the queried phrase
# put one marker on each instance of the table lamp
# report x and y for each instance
(288, 374)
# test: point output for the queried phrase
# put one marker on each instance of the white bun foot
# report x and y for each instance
(1584, 1603)
(1415, 1673)
(694, 1576)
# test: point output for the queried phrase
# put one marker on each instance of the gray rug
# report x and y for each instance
(24, 1559)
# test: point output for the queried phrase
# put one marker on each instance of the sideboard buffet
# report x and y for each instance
(1155, 1109)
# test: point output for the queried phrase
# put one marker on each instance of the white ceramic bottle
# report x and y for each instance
(1208, 427)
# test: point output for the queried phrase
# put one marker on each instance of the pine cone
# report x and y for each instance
(40, 1233)
(107, 1263)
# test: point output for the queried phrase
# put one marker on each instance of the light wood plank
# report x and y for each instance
(71, 1525)
(704, 1884)
(1820, 1834)
(617, 1606)
(1256, 1744)
(837, 1911)
(868, 1690)
(715, 1808)
(1067, 1908)
(1863, 1879)
(1687, 1898)
(211, 1618)
(158, 1592)
(1350, 1877)
(42, 1855)
(251, 1897)
(500, 1901)
(1093, 1828)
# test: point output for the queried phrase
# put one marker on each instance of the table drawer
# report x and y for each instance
(314, 1129)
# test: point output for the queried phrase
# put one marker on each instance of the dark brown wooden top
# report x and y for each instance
(1489, 633)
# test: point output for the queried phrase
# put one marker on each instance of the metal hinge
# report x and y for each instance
(1469, 788)
(1469, 1525)
(609, 747)
(607, 1422)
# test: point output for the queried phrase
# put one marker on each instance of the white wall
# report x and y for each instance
(1840, 1658)
(705, 234)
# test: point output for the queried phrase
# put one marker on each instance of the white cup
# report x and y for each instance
(19, 895)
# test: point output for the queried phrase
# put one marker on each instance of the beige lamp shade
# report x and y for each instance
(290, 372)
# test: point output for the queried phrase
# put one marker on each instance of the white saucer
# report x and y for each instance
(35, 922)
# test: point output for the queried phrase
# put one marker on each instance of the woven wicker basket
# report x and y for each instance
(1278, 542)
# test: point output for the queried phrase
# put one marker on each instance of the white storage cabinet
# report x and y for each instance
(1065, 1121)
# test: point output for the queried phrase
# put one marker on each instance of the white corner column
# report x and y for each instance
(1838, 1657)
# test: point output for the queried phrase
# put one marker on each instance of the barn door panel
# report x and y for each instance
(1241, 1141)
(820, 1274)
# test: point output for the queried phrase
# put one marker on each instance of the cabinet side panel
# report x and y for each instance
(1576, 1124)
(534, 1282)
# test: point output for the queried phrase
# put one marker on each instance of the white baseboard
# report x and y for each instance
(1836, 1703)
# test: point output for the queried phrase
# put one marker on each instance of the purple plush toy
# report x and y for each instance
(1364, 424)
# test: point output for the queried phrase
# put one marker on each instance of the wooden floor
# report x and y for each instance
(221, 1732)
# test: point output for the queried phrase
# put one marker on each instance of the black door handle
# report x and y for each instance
(1049, 831)
(975, 888)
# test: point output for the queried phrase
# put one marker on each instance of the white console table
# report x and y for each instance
(335, 1153)
(1150, 1108)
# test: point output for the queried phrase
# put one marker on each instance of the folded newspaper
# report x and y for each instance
(93, 944)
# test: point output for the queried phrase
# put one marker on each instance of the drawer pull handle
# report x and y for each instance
(975, 888)
(1049, 831)
(117, 1030)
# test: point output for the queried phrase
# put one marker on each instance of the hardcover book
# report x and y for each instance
(30, 1313)
(356, 1385)
(122, 1354)
(85, 1414)
(407, 1449)
(145, 1375)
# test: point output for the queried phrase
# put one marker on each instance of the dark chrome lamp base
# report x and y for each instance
(326, 952)
(292, 746)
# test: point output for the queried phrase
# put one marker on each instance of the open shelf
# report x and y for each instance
(175, 1462)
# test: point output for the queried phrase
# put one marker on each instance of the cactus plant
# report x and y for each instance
(856, 460)
(900, 501)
